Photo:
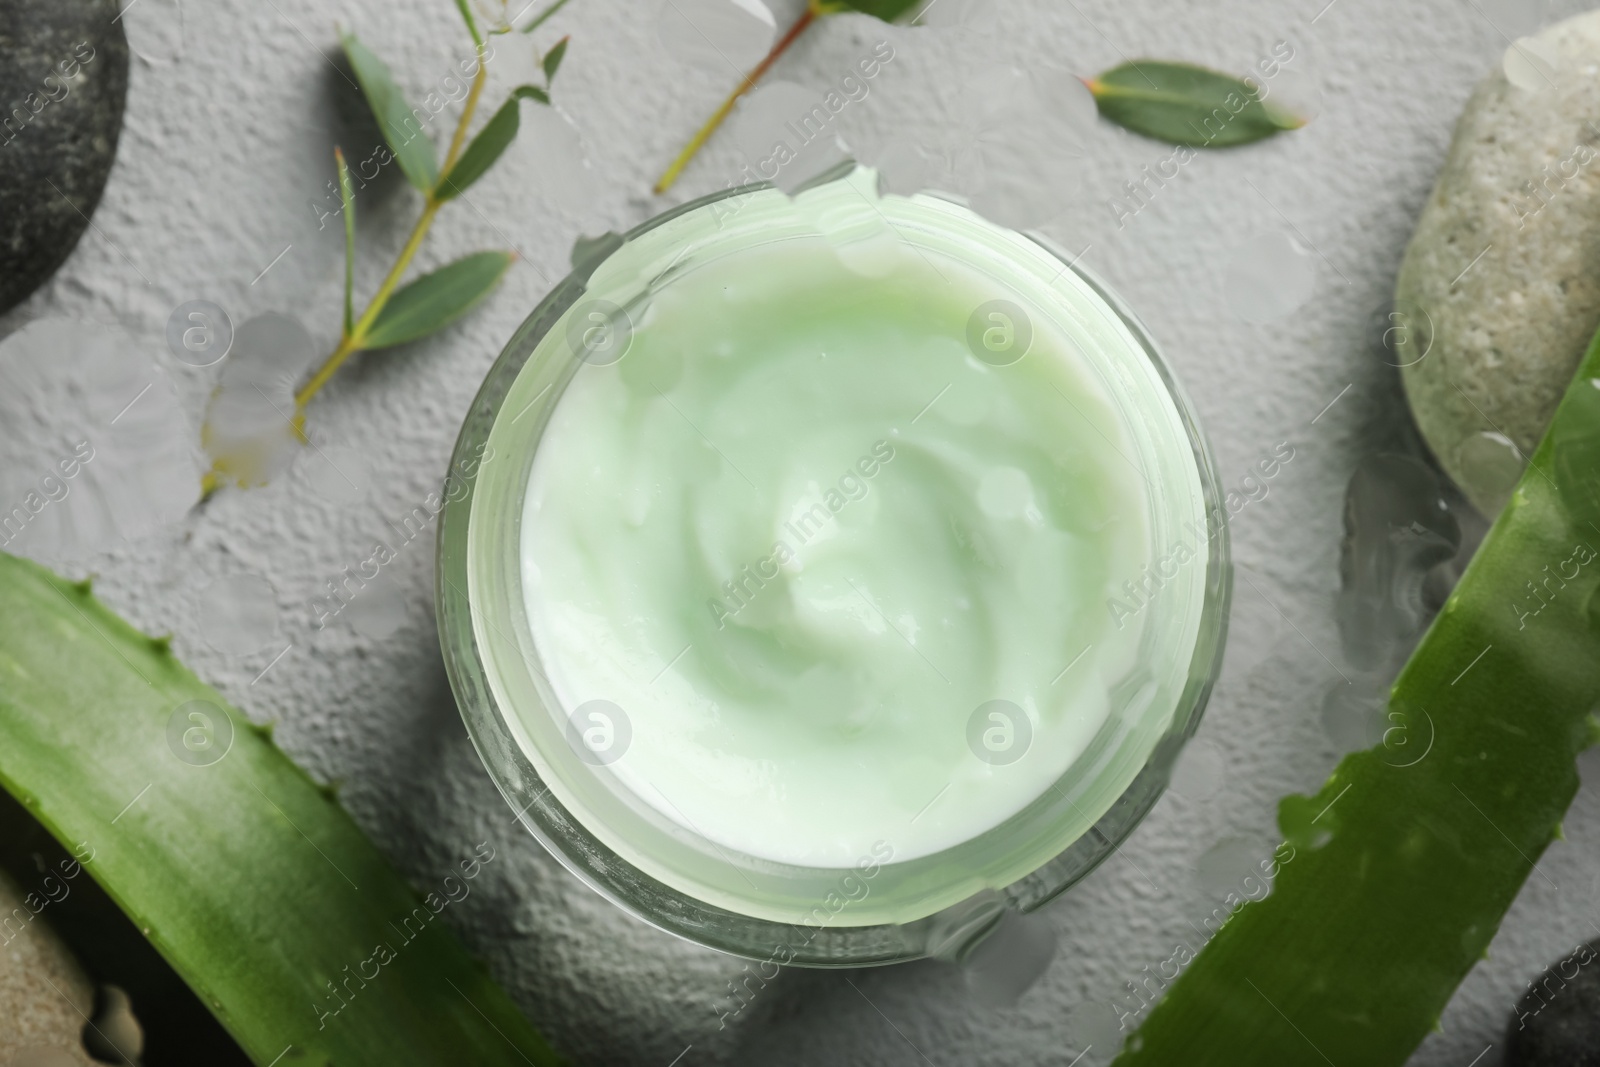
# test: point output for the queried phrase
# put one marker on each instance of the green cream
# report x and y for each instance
(803, 536)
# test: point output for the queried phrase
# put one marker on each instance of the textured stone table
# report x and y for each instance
(232, 113)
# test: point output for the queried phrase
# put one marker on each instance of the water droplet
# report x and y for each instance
(723, 35)
(1530, 65)
(378, 610)
(1224, 867)
(335, 473)
(1491, 464)
(1396, 529)
(1307, 822)
(787, 135)
(1296, 90)
(199, 333)
(95, 447)
(954, 14)
(1199, 770)
(248, 424)
(1352, 717)
(1094, 1023)
(1030, 131)
(1268, 277)
(155, 29)
(239, 614)
(1007, 962)
(1515, 18)
(905, 167)
(551, 155)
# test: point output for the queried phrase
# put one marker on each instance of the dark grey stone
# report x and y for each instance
(63, 83)
(1557, 1021)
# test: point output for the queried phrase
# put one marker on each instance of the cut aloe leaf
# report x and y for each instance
(1410, 855)
(245, 875)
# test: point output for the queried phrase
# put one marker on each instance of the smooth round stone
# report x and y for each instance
(1492, 342)
(63, 82)
(44, 993)
(1556, 1023)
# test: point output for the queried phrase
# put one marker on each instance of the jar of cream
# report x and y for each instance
(820, 566)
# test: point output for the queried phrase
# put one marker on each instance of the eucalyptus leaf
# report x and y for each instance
(553, 58)
(435, 300)
(401, 128)
(1183, 104)
(347, 205)
(495, 137)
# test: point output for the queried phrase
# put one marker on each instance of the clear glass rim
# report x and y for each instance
(669, 909)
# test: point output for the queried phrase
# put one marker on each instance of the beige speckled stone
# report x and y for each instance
(37, 1023)
(1521, 189)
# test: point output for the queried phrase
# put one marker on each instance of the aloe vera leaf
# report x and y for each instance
(1409, 856)
(250, 880)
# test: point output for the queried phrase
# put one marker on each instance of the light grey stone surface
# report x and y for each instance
(1501, 282)
(232, 114)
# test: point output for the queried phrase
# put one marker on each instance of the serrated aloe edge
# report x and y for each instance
(246, 876)
(1410, 855)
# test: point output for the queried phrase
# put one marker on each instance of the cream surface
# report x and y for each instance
(804, 538)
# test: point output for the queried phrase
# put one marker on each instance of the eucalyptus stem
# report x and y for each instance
(813, 9)
(539, 20)
(351, 340)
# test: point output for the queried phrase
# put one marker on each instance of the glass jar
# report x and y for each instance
(883, 908)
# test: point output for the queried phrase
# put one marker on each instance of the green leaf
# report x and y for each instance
(253, 883)
(1408, 858)
(887, 10)
(347, 202)
(472, 23)
(1187, 105)
(552, 60)
(540, 18)
(495, 137)
(435, 300)
(401, 128)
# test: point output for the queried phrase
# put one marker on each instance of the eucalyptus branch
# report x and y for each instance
(670, 175)
(399, 313)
